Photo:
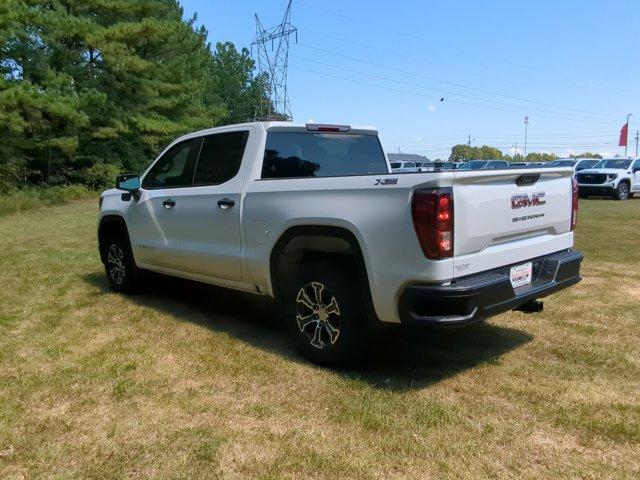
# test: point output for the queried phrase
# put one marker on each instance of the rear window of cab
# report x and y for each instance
(313, 154)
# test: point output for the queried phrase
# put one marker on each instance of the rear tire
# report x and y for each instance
(622, 192)
(120, 267)
(325, 314)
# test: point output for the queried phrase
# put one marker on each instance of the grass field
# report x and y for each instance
(190, 381)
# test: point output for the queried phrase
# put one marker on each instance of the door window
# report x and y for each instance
(220, 158)
(174, 168)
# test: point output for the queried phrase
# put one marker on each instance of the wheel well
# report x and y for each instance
(331, 244)
(110, 225)
(627, 181)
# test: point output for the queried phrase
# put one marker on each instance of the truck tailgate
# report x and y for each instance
(506, 216)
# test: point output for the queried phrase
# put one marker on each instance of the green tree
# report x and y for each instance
(540, 157)
(109, 83)
(234, 83)
(587, 155)
(463, 152)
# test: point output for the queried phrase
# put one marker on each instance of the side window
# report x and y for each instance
(174, 168)
(636, 166)
(220, 158)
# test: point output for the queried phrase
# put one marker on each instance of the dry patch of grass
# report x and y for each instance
(189, 381)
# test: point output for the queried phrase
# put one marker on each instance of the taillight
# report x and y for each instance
(432, 213)
(574, 202)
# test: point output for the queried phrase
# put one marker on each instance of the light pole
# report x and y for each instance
(526, 128)
(626, 141)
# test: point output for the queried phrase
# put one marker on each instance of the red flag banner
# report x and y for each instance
(623, 135)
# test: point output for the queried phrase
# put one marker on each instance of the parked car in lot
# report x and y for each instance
(485, 164)
(576, 163)
(432, 166)
(404, 167)
(519, 164)
(615, 177)
(310, 215)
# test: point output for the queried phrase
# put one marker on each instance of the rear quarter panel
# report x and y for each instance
(379, 216)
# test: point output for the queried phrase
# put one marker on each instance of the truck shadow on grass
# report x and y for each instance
(399, 359)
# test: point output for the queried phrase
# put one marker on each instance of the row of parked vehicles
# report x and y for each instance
(414, 166)
(615, 177)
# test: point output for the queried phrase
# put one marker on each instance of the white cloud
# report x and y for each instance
(418, 139)
(431, 108)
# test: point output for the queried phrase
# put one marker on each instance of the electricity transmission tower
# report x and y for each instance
(272, 45)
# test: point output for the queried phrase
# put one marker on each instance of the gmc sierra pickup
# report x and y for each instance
(310, 215)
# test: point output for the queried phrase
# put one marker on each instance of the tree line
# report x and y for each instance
(462, 152)
(93, 87)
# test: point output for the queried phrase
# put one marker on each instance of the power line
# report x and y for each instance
(405, 72)
(424, 39)
(445, 92)
(435, 99)
(400, 55)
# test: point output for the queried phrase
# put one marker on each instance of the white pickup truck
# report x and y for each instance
(310, 215)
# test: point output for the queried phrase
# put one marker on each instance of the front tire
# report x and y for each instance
(325, 314)
(622, 191)
(120, 267)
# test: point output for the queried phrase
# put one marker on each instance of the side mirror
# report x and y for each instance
(128, 182)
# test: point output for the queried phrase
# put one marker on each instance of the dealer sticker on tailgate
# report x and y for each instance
(521, 274)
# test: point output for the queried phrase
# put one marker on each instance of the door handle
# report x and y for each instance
(226, 203)
(169, 203)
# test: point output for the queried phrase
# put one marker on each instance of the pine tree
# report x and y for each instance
(85, 83)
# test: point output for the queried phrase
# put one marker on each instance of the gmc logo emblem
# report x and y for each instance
(524, 200)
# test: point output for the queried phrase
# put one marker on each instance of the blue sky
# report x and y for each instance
(571, 66)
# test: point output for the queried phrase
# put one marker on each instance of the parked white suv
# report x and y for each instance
(310, 215)
(617, 177)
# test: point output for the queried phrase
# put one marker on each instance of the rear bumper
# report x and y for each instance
(595, 189)
(477, 297)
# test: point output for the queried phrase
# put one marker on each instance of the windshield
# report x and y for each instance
(614, 163)
(562, 163)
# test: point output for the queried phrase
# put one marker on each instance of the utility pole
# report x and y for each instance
(637, 138)
(526, 128)
(515, 151)
(469, 141)
(626, 142)
(272, 45)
